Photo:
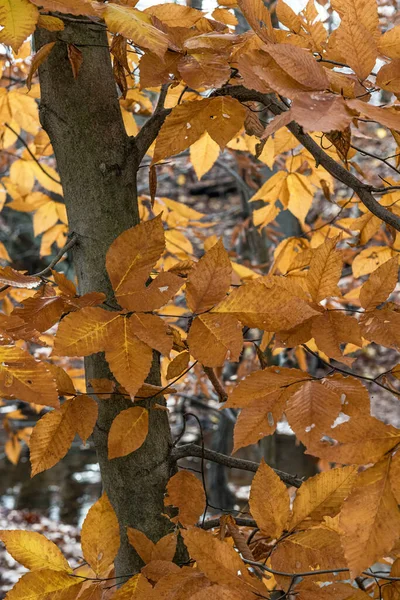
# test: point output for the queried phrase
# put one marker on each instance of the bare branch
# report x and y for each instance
(72, 241)
(216, 383)
(362, 190)
(229, 461)
(150, 129)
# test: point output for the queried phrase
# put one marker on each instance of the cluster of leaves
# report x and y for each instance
(343, 520)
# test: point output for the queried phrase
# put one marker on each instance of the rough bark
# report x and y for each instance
(98, 163)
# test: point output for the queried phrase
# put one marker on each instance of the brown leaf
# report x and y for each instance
(39, 59)
(178, 364)
(269, 501)
(13, 278)
(181, 486)
(214, 338)
(369, 519)
(75, 58)
(100, 536)
(325, 270)
(380, 284)
(128, 431)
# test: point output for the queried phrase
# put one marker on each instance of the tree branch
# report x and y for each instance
(229, 461)
(242, 522)
(216, 383)
(150, 129)
(362, 190)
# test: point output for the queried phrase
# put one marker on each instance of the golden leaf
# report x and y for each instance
(224, 16)
(128, 431)
(82, 412)
(71, 7)
(268, 308)
(385, 116)
(389, 43)
(39, 59)
(164, 549)
(380, 284)
(51, 438)
(214, 338)
(311, 411)
(313, 549)
(220, 117)
(46, 583)
(269, 501)
(259, 418)
(25, 378)
(175, 15)
(178, 364)
(151, 297)
(153, 331)
(369, 519)
(181, 486)
(203, 154)
(18, 19)
(300, 65)
(321, 495)
(136, 26)
(325, 270)
(133, 254)
(300, 195)
(50, 23)
(259, 18)
(288, 17)
(84, 332)
(220, 562)
(258, 385)
(129, 358)
(333, 328)
(33, 550)
(358, 46)
(361, 11)
(209, 280)
(100, 536)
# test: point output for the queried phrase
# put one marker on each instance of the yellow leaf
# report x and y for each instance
(175, 15)
(214, 338)
(203, 154)
(128, 431)
(325, 270)
(361, 11)
(25, 378)
(51, 438)
(136, 26)
(128, 589)
(18, 19)
(45, 584)
(209, 280)
(333, 328)
(129, 358)
(34, 551)
(45, 217)
(181, 486)
(369, 519)
(301, 196)
(25, 112)
(322, 495)
(224, 16)
(100, 536)
(220, 117)
(269, 501)
(380, 284)
(84, 332)
(370, 259)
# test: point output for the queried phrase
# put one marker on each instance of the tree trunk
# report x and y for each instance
(98, 163)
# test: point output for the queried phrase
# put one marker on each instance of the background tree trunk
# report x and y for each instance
(98, 163)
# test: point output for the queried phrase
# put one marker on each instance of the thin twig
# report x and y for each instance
(72, 241)
(21, 139)
(229, 461)
(216, 383)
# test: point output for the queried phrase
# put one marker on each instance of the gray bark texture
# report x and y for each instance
(97, 163)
